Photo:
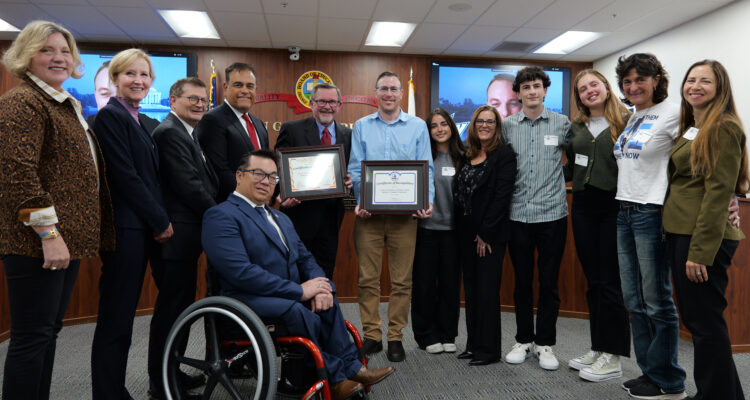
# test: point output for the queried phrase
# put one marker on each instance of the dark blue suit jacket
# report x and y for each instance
(132, 169)
(252, 263)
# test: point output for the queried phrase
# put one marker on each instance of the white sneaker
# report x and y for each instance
(606, 367)
(585, 360)
(435, 348)
(546, 356)
(519, 353)
(449, 347)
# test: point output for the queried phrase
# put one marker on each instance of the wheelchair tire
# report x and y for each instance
(227, 368)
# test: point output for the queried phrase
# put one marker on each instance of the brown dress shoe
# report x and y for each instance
(345, 389)
(369, 377)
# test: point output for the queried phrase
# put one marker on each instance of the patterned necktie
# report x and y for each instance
(251, 131)
(325, 140)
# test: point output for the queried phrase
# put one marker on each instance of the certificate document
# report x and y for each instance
(312, 172)
(394, 187)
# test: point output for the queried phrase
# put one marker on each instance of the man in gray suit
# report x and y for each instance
(318, 221)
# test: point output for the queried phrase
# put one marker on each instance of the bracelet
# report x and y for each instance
(51, 234)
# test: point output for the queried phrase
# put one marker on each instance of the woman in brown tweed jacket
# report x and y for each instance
(54, 201)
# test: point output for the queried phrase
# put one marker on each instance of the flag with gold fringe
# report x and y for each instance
(411, 108)
(212, 87)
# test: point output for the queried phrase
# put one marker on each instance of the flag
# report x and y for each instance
(212, 91)
(411, 108)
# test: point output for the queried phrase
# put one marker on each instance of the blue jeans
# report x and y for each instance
(647, 292)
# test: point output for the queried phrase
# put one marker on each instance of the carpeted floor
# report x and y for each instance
(421, 376)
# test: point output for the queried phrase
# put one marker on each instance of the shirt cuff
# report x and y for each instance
(38, 216)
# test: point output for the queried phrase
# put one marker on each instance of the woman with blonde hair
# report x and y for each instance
(54, 207)
(593, 169)
(482, 195)
(707, 165)
(141, 221)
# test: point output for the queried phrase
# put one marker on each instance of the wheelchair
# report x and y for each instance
(239, 353)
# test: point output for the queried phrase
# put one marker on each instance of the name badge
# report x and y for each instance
(691, 133)
(582, 160)
(550, 140)
(448, 171)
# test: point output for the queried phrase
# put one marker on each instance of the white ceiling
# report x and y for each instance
(343, 24)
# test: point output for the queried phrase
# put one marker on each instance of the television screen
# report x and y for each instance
(460, 88)
(94, 93)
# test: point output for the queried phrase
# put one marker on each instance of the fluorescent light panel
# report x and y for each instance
(389, 34)
(190, 24)
(568, 42)
(6, 27)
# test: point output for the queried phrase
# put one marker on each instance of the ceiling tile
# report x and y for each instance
(616, 15)
(289, 30)
(307, 8)
(513, 13)
(88, 20)
(234, 26)
(531, 35)
(479, 39)
(338, 31)
(402, 11)
(429, 35)
(19, 15)
(381, 49)
(336, 47)
(249, 43)
(235, 5)
(203, 42)
(563, 14)
(139, 23)
(119, 3)
(55, 2)
(441, 13)
(356, 9)
(413, 50)
(196, 5)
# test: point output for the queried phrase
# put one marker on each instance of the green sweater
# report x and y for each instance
(601, 168)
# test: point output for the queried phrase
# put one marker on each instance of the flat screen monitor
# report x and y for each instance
(460, 88)
(168, 68)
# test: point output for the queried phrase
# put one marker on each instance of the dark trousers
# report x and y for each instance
(38, 299)
(176, 281)
(702, 307)
(436, 287)
(548, 239)
(482, 295)
(119, 290)
(595, 231)
(324, 244)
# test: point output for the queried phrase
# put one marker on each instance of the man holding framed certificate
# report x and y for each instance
(388, 135)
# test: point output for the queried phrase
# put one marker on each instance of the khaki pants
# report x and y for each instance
(398, 234)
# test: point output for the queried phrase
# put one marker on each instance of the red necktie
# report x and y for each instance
(251, 131)
(325, 140)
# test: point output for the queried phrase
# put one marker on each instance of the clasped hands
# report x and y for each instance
(320, 293)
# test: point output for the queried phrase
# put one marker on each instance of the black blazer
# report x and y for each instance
(307, 216)
(224, 141)
(490, 202)
(132, 169)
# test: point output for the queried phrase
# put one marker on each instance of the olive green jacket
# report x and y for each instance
(696, 205)
(601, 169)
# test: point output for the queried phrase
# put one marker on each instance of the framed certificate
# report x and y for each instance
(314, 172)
(394, 187)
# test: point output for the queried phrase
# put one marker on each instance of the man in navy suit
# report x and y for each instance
(189, 186)
(228, 132)
(262, 262)
(318, 221)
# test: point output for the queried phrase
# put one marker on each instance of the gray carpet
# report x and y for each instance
(421, 376)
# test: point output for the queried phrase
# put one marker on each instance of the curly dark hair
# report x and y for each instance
(645, 64)
(530, 74)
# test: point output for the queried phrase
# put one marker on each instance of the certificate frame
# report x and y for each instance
(416, 172)
(311, 154)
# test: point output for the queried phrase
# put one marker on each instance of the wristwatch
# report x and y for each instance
(51, 234)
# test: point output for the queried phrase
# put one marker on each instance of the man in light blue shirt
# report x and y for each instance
(388, 134)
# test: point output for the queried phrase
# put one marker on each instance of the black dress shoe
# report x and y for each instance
(479, 362)
(465, 355)
(370, 346)
(396, 351)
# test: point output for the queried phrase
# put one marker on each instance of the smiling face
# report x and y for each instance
(134, 81)
(500, 95)
(440, 129)
(389, 94)
(103, 88)
(592, 92)
(485, 129)
(700, 87)
(240, 90)
(327, 112)
(259, 192)
(531, 94)
(54, 62)
(190, 113)
(639, 89)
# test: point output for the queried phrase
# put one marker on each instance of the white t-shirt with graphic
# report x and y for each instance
(642, 153)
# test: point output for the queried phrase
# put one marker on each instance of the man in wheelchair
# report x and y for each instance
(261, 261)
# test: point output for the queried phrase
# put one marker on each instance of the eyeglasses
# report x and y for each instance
(329, 103)
(194, 100)
(489, 122)
(259, 175)
(386, 89)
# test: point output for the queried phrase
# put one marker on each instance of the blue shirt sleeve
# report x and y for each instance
(356, 155)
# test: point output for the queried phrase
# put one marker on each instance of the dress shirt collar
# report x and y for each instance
(402, 117)
(331, 130)
(59, 95)
(236, 193)
(187, 126)
(522, 115)
(236, 112)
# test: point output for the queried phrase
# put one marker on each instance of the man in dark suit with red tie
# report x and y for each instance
(318, 221)
(229, 132)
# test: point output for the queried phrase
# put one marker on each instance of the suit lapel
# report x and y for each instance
(235, 125)
(142, 132)
(311, 133)
(261, 222)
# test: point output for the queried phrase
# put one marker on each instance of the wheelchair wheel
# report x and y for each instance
(226, 341)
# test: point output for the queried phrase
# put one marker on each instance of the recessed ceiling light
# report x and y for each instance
(190, 24)
(6, 27)
(459, 7)
(568, 42)
(390, 34)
